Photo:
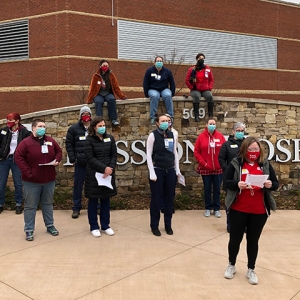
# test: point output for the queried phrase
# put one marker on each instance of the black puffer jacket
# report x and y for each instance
(75, 141)
(5, 139)
(229, 151)
(100, 154)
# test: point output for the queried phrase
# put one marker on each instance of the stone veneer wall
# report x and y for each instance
(267, 119)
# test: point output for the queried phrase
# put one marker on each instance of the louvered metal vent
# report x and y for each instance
(142, 41)
(14, 40)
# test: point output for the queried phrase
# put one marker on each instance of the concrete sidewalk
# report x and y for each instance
(136, 265)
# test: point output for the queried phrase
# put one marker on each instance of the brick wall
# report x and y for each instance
(67, 39)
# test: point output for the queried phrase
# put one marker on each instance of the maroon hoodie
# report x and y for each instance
(28, 156)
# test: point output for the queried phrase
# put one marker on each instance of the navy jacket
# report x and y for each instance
(75, 142)
(153, 82)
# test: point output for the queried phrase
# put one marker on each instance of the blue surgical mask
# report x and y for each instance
(40, 131)
(163, 125)
(211, 128)
(101, 130)
(159, 64)
(239, 135)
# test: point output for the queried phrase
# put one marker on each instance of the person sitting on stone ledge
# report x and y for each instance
(159, 82)
(199, 79)
(105, 88)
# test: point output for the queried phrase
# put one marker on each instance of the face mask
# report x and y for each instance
(11, 124)
(101, 130)
(211, 128)
(85, 118)
(164, 125)
(200, 62)
(253, 155)
(239, 135)
(40, 131)
(159, 64)
(170, 123)
(104, 68)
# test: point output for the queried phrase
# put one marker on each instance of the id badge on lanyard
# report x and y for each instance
(45, 149)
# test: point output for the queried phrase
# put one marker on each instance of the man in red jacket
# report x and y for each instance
(206, 151)
(199, 79)
(37, 156)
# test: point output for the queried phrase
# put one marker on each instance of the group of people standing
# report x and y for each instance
(34, 156)
(158, 83)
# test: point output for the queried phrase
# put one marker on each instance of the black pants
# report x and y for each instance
(255, 224)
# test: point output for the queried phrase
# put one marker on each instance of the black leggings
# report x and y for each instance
(238, 222)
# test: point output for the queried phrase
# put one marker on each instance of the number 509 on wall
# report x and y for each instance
(189, 113)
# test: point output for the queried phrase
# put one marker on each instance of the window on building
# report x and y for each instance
(14, 40)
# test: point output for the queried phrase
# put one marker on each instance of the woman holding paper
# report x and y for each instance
(249, 206)
(101, 155)
(163, 165)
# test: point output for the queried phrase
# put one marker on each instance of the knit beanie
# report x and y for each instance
(84, 109)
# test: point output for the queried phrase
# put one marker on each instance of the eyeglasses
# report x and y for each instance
(254, 150)
(238, 130)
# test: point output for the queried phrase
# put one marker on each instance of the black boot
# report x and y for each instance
(210, 106)
(196, 112)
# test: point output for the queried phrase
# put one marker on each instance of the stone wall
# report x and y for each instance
(266, 119)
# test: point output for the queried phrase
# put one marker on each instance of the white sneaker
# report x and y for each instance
(96, 233)
(217, 214)
(109, 231)
(229, 272)
(207, 213)
(252, 278)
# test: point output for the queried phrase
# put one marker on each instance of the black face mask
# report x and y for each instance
(200, 63)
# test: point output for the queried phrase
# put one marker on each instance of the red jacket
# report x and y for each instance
(204, 79)
(28, 156)
(96, 85)
(207, 150)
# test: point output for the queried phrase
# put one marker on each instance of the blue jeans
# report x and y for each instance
(111, 106)
(166, 96)
(196, 95)
(5, 166)
(35, 193)
(212, 181)
(104, 213)
(79, 176)
(162, 191)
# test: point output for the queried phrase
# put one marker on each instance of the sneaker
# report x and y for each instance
(115, 122)
(52, 230)
(75, 214)
(29, 235)
(1, 209)
(156, 231)
(152, 122)
(169, 230)
(18, 210)
(252, 278)
(96, 233)
(229, 272)
(217, 214)
(207, 213)
(109, 231)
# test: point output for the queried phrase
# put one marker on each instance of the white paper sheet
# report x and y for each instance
(49, 164)
(103, 181)
(181, 179)
(256, 180)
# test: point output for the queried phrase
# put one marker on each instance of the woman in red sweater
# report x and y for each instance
(248, 204)
(207, 149)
